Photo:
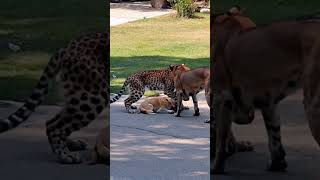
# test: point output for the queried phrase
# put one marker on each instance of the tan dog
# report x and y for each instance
(101, 152)
(189, 83)
(153, 105)
(256, 68)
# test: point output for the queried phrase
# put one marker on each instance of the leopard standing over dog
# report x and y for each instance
(152, 79)
(82, 66)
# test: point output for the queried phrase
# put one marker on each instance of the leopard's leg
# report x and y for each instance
(272, 123)
(179, 104)
(134, 96)
(195, 104)
(73, 117)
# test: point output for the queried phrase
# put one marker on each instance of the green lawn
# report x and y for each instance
(40, 27)
(156, 43)
(263, 12)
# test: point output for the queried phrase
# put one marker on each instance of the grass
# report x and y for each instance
(40, 27)
(156, 43)
(263, 12)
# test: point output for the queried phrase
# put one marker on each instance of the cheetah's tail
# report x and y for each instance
(35, 99)
(117, 97)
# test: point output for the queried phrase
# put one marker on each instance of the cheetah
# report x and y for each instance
(82, 67)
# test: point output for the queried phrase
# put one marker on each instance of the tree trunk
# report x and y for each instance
(160, 4)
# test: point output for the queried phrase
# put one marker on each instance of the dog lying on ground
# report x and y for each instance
(190, 83)
(101, 151)
(153, 105)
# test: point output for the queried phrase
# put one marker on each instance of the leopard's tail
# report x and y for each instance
(117, 97)
(35, 99)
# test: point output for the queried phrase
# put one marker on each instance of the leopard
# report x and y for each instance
(255, 68)
(81, 69)
(160, 79)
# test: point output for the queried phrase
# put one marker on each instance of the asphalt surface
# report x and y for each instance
(159, 146)
(303, 155)
(25, 152)
(166, 147)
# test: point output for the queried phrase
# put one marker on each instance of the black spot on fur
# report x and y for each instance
(95, 100)
(67, 131)
(96, 86)
(60, 124)
(99, 109)
(76, 87)
(71, 92)
(87, 88)
(75, 126)
(87, 52)
(85, 107)
(71, 110)
(74, 101)
(73, 78)
(84, 96)
(93, 75)
(78, 116)
(91, 116)
(76, 70)
(82, 66)
(81, 79)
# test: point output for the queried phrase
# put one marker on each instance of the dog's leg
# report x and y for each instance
(195, 104)
(272, 124)
(224, 104)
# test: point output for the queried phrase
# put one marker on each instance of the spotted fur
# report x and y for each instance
(83, 69)
(152, 79)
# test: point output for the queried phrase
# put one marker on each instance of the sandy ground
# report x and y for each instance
(25, 152)
(125, 12)
(159, 146)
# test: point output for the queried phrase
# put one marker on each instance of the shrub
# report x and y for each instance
(185, 8)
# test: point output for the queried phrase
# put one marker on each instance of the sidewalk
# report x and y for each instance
(159, 146)
(124, 12)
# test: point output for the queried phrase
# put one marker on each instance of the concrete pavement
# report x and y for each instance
(25, 151)
(125, 12)
(303, 153)
(159, 146)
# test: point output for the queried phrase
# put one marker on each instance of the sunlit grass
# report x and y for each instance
(156, 43)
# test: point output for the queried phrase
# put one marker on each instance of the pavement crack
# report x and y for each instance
(153, 132)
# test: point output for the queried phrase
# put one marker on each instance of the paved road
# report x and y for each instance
(125, 12)
(25, 152)
(303, 154)
(159, 146)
